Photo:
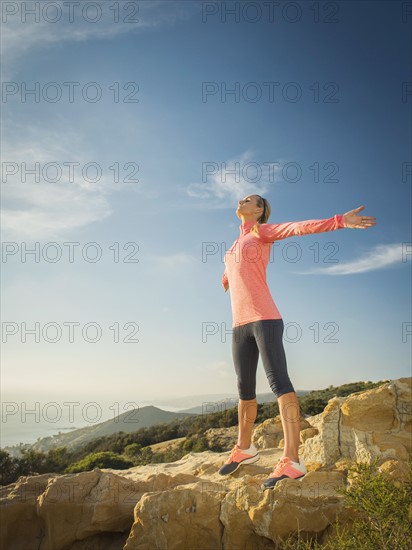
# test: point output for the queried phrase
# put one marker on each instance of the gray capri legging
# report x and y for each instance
(264, 337)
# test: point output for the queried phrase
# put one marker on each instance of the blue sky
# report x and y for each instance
(335, 134)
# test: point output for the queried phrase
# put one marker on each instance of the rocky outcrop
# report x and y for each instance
(186, 504)
(222, 436)
(21, 527)
(363, 426)
(181, 505)
(269, 433)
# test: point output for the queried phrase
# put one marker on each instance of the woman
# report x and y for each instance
(258, 328)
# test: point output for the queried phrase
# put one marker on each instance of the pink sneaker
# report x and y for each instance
(238, 457)
(285, 468)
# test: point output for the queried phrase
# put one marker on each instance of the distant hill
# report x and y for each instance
(128, 422)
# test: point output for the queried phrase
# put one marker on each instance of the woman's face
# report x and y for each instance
(248, 208)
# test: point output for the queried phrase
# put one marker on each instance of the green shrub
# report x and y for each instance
(105, 459)
(9, 468)
(384, 507)
(132, 450)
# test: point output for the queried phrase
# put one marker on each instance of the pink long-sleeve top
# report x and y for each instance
(246, 262)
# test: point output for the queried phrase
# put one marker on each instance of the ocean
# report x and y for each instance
(19, 425)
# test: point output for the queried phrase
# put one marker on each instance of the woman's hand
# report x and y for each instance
(352, 220)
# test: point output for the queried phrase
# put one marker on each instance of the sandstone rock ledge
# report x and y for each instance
(186, 505)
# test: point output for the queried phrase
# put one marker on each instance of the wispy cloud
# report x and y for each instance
(47, 208)
(24, 32)
(225, 182)
(174, 260)
(380, 257)
(49, 212)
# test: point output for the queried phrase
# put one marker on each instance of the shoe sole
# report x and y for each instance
(286, 477)
(246, 461)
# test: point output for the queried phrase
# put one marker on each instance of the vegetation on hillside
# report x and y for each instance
(133, 449)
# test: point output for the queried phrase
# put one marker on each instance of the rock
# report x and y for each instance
(371, 410)
(279, 512)
(396, 470)
(269, 433)
(307, 433)
(184, 517)
(363, 426)
(98, 502)
(239, 532)
(324, 449)
(21, 527)
(197, 513)
(225, 437)
(65, 509)
(102, 541)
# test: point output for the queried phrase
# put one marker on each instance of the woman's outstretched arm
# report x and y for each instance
(271, 232)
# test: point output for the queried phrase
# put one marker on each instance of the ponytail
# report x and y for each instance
(262, 203)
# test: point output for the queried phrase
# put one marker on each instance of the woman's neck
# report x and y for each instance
(245, 220)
